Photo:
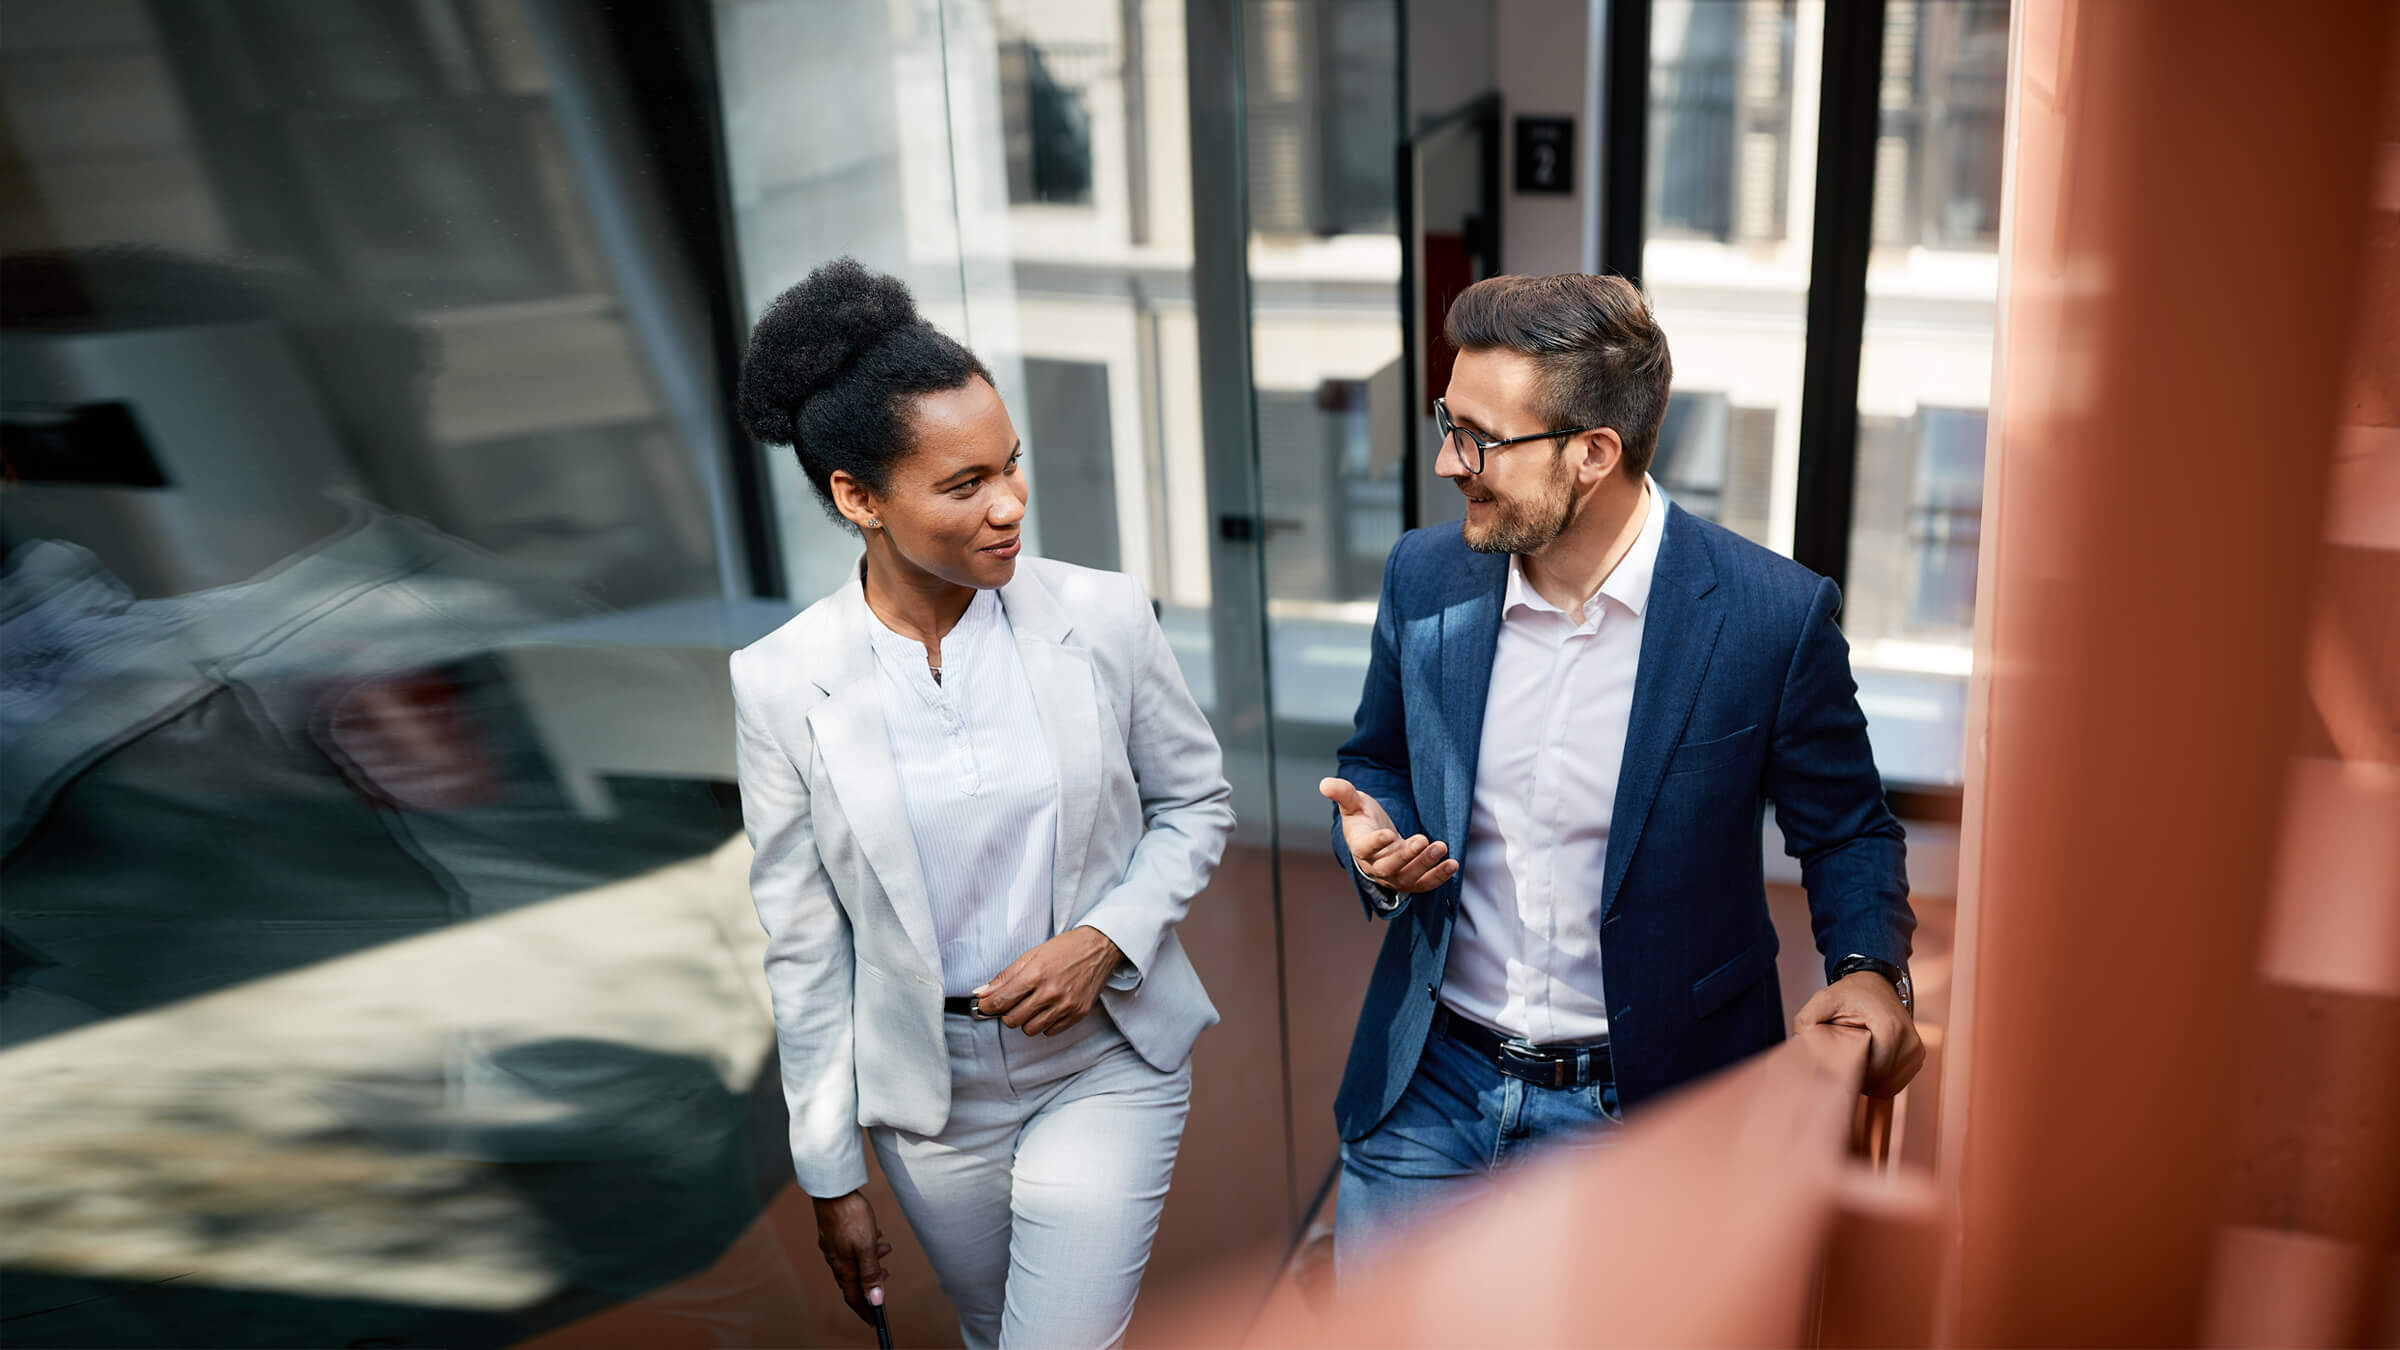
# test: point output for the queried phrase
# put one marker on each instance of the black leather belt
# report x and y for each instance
(965, 1007)
(1551, 1066)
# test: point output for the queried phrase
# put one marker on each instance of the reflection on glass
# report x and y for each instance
(376, 969)
(1733, 96)
(1925, 378)
(377, 963)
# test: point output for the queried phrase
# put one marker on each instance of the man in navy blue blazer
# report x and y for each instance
(1579, 701)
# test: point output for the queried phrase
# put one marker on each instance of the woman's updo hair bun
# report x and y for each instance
(834, 364)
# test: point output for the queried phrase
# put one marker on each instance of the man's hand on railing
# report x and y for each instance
(1867, 1000)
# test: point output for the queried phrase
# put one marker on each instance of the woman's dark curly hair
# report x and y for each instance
(832, 368)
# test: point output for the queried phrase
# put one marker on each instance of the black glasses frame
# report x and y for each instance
(1461, 438)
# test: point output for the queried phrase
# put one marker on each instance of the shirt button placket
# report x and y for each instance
(1545, 809)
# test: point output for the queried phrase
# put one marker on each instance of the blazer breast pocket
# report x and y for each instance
(1694, 756)
(1711, 992)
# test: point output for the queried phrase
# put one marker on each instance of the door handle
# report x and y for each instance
(1239, 529)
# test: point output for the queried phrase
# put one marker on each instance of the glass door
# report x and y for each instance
(1170, 229)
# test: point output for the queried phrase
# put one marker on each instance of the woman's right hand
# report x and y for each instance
(855, 1248)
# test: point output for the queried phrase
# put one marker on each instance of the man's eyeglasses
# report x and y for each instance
(1472, 445)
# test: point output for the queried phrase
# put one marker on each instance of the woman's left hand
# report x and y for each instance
(1050, 988)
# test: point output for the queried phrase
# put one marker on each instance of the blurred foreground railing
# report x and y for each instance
(1741, 1211)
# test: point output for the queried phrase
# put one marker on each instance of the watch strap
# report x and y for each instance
(1898, 975)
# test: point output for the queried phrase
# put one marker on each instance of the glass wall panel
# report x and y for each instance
(378, 963)
(379, 960)
(1455, 200)
(1925, 379)
(1027, 166)
(1732, 169)
(1322, 91)
(1322, 108)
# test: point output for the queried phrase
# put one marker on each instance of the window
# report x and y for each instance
(1831, 318)
(1045, 123)
(1720, 118)
(1946, 518)
(1070, 460)
(1924, 378)
(1728, 280)
(1937, 155)
(1915, 527)
(1716, 460)
(1321, 115)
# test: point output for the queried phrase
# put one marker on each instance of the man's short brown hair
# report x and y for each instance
(1602, 358)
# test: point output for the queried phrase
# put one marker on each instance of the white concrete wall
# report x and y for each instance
(1538, 57)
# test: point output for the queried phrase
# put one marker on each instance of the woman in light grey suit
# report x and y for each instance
(981, 799)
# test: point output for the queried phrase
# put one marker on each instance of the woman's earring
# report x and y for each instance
(874, 523)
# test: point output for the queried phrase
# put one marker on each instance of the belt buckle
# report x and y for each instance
(976, 1013)
(1525, 1052)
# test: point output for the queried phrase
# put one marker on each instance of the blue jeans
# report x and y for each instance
(1460, 1120)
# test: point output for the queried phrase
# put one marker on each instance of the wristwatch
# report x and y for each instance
(1898, 975)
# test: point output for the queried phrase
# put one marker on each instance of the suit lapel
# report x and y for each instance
(1470, 637)
(1069, 704)
(1679, 633)
(857, 753)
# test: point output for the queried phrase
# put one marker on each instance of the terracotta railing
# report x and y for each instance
(1733, 1213)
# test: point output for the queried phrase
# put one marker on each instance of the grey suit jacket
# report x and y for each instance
(852, 961)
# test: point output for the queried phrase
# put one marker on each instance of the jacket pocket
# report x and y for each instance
(1693, 756)
(1729, 981)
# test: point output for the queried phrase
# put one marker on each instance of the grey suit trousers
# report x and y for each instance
(1038, 1201)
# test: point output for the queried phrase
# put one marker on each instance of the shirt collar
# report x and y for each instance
(981, 611)
(1628, 584)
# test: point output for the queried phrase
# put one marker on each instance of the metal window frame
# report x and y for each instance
(669, 56)
(1484, 114)
(1841, 237)
(1625, 139)
(1245, 702)
(1840, 240)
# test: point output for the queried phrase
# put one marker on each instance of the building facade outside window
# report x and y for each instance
(1732, 180)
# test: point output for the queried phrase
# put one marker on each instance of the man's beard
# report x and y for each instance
(1529, 526)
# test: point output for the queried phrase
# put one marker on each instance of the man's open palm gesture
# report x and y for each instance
(1403, 866)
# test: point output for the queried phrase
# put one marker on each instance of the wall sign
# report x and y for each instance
(1546, 155)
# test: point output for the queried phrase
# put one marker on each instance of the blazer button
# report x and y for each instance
(1433, 993)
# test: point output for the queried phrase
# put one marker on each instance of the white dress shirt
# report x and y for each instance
(1525, 955)
(981, 793)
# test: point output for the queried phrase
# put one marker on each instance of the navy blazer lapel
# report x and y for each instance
(1679, 633)
(1470, 638)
